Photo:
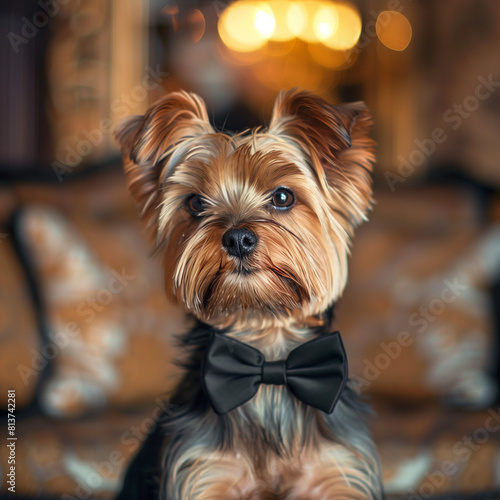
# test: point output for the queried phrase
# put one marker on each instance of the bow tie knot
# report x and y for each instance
(314, 372)
(274, 372)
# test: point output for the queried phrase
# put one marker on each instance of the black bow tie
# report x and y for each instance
(315, 372)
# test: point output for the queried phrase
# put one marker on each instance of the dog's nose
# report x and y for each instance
(239, 242)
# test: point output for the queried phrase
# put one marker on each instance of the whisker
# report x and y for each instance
(224, 124)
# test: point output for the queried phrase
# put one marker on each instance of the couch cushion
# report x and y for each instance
(417, 315)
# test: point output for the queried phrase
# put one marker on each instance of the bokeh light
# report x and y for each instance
(393, 30)
(283, 11)
(325, 22)
(264, 21)
(296, 18)
(308, 11)
(197, 22)
(348, 30)
(246, 26)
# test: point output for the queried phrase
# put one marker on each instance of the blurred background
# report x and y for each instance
(85, 330)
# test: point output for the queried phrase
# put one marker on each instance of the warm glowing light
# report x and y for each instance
(330, 28)
(281, 9)
(296, 18)
(325, 30)
(393, 30)
(264, 22)
(325, 22)
(307, 12)
(348, 30)
(246, 26)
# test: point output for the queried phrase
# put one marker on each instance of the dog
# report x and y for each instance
(254, 230)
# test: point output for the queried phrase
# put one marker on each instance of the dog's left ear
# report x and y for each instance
(336, 141)
(153, 144)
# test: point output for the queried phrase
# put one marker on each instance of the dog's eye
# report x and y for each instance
(283, 198)
(195, 204)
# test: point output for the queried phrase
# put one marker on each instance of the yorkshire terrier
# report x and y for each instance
(254, 230)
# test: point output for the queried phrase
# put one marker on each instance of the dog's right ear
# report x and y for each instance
(337, 140)
(153, 144)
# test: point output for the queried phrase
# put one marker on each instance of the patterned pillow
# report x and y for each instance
(417, 314)
(110, 326)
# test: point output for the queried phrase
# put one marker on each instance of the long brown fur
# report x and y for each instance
(273, 299)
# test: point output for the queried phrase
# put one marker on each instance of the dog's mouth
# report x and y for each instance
(243, 270)
(250, 288)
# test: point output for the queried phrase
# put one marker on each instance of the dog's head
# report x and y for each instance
(255, 224)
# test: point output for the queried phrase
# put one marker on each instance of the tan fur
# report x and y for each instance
(334, 472)
(272, 298)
